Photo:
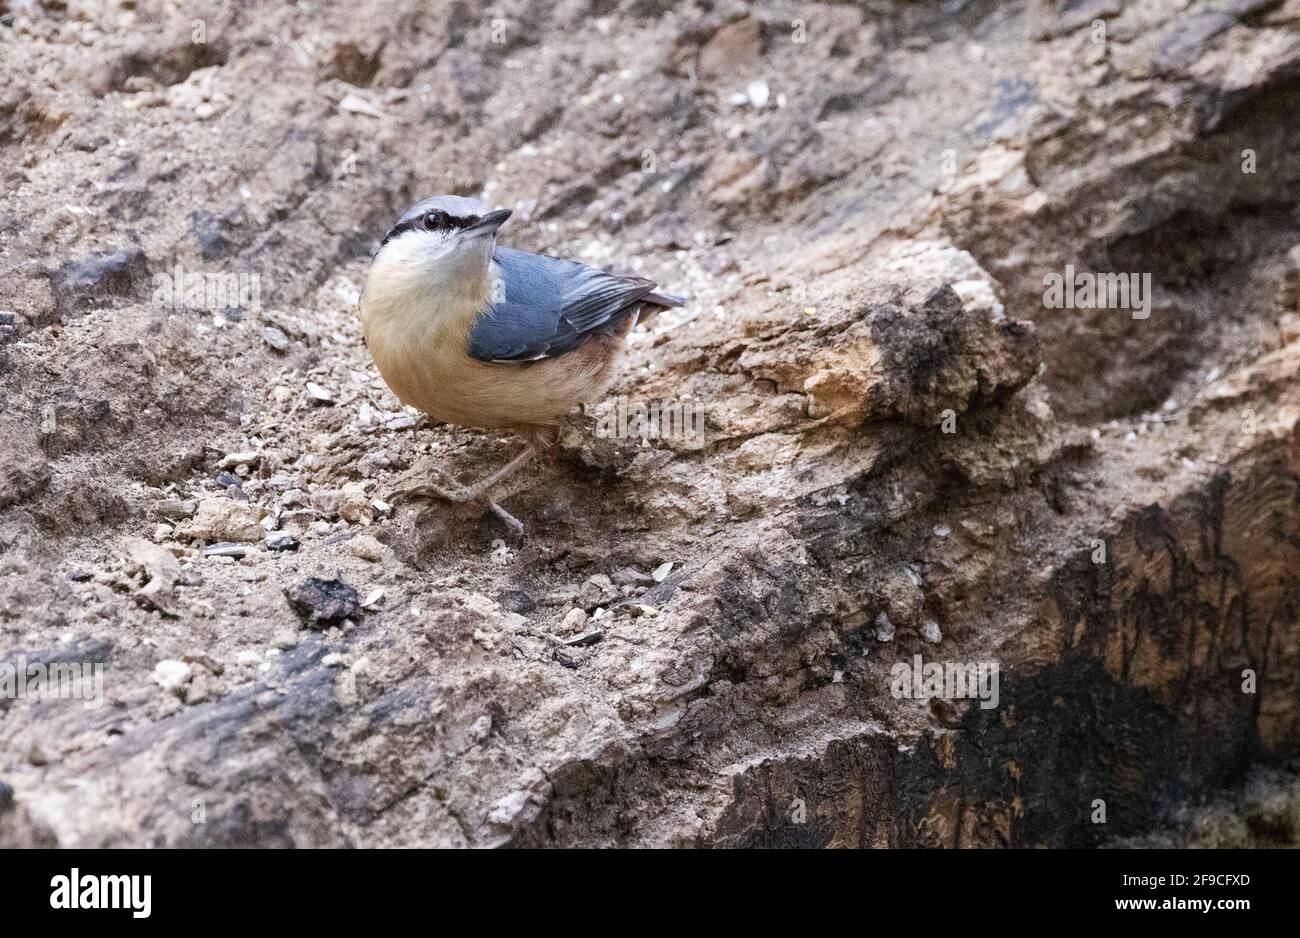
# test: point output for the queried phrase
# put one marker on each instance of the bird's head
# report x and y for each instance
(446, 240)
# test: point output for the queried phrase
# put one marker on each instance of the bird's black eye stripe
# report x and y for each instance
(451, 221)
(429, 221)
(401, 228)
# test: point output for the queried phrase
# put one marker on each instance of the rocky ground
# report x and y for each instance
(906, 450)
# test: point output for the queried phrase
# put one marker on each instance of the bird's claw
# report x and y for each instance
(431, 491)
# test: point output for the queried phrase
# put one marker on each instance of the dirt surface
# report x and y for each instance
(906, 451)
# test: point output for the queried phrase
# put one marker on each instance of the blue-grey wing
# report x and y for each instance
(551, 306)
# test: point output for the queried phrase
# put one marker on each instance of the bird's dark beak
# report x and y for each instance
(487, 225)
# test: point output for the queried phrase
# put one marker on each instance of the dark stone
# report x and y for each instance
(517, 601)
(322, 603)
(281, 541)
(880, 91)
(354, 64)
(210, 233)
(568, 657)
(111, 273)
(80, 575)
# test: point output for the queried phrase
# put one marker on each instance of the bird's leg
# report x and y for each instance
(473, 492)
(513, 523)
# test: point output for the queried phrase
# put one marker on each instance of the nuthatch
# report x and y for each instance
(481, 335)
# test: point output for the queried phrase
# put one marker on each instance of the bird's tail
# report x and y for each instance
(665, 300)
(649, 306)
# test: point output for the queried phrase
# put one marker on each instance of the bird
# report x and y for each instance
(480, 335)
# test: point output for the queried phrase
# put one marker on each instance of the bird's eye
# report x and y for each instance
(435, 220)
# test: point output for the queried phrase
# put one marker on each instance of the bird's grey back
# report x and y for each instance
(551, 306)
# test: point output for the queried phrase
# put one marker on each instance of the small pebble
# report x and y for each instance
(355, 104)
(354, 505)
(239, 459)
(237, 551)
(367, 548)
(627, 576)
(275, 338)
(176, 509)
(281, 541)
(171, 674)
(574, 621)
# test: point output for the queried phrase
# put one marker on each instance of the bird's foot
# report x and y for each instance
(473, 493)
(431, 491)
